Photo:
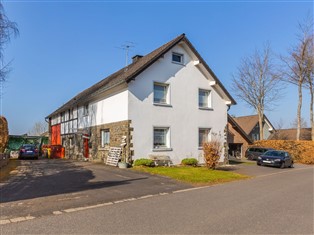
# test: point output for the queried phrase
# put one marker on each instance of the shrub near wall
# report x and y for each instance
(302, 151)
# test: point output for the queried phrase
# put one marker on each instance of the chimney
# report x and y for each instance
(136, 58)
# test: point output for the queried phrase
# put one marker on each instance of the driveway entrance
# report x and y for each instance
(40, 187)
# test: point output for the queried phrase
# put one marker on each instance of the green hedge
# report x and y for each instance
(144, 162)
(189, 162)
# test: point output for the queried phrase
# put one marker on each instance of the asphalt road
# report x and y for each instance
(276, 201)
(38, 188)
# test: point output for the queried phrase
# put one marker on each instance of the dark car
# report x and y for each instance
(276, 158)
(253, 153)
(28, 151)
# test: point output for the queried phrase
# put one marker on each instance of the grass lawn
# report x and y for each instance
(193, 175)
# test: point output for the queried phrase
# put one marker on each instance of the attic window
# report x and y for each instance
(177, 58)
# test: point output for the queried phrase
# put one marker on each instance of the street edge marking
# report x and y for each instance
(191, 189)
(4, 221)
(87, 207)
(57, 212)
(70, 210)
(146, 196)
(17, 219)
(284, 172)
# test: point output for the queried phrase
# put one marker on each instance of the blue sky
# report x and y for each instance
(66, 46)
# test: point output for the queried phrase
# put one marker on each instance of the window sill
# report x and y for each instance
(178, 63)
(162, 149)
(204, 108)
(163, 105)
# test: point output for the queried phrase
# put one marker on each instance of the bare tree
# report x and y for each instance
(7, 29)
(38, 129)
(279, 134)
(309, 81)
(257, 84)
(298, 67)
(294, 123)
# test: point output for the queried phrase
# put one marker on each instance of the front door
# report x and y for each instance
(86, 147)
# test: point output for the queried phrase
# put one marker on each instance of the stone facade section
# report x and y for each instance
(74, 143)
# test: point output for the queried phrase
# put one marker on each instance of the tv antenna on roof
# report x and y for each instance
(126, 47)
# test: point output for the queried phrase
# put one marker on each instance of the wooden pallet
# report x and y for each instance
(114, 156)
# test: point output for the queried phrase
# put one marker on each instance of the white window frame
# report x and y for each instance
(167, 95)
(200, 144)
(167, 145)
(181, 56)
(209, 99)
(105, 138)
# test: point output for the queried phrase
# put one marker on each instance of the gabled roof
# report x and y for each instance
(129, 73)
(291, 134)
(235, 126)
(247, 123)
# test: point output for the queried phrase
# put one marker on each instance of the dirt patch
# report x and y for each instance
(5, 171)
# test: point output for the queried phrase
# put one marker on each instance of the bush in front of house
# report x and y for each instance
(189, 162)
(144, 162)
(212, 151)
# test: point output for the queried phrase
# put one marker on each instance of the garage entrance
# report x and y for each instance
(235, 150)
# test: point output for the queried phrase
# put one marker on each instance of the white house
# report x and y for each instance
(166, 103)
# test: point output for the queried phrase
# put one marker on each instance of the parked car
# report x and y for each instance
(253, 153)
(28, 151)
(276, 158)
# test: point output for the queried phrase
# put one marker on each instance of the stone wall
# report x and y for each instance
(74, 147)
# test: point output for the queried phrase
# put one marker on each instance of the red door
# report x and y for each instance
(56, 134)
(86, 147)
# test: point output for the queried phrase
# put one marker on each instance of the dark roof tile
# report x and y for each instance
(129, 72)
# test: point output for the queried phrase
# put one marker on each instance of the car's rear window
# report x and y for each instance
(28, 146)
(275, 153)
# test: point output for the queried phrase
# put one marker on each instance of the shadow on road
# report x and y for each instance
(42, 178)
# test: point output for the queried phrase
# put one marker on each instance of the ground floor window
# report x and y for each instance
(161, 137)
(203, 136)
(105, 138)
